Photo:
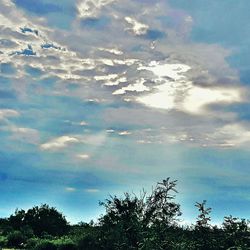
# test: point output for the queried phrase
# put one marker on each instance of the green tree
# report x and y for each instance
(41, 220)
(204, 218)
(160, 205)
(131, 222)
(236, 232)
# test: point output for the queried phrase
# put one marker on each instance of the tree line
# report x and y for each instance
(143, 222)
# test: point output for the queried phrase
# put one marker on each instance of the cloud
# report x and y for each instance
(58, 143)
(91, 8)
(113, 51)
(198, 98)
(136, 27)
(6, 113)
(92, 190)
(231, 135)
(83, 156)
(70, 189)
(137, 87)
(147, 78)
(124, 133)
(28, 135)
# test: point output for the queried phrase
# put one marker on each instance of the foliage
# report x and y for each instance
(236, 232)
(15, 239)
(3, 241)
(144, 222)
(40, 221)
(45, 245)
(203, 219)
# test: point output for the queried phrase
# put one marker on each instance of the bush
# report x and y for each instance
(3, 241)
(32, 242)
(88, 242)
(15, 239)
(67, 246)
(45, 245)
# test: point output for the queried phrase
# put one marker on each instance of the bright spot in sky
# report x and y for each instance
(138, 87)
(163, 98)
(198, 97)
(173, 71)
(178, 92)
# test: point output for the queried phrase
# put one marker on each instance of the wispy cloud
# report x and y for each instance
(136, 27)
(70, 189)
(58, 143)
(92, 190)
(87, 9)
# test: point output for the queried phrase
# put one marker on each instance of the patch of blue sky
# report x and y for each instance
(7, 68)
(38, 7)
(48, 81)
(29, 30)
(241, 61)
(59, 14)
(34, 72)
(95, 23)
(218, 21)
(62, 114)
(154, 34)
(50, 45)
(7, 94)
(241, 109)
(26, 52)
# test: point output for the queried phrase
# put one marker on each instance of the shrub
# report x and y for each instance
(15, 239)
(45, 245)
(3, 241)
(32, 242)
(67, 246)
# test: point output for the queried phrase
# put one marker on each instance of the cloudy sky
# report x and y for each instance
(99, 97)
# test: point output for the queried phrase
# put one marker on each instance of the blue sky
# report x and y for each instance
(107, 96)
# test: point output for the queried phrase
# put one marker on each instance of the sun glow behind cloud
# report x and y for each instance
(178, 92)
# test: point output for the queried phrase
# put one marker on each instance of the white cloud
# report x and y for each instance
(70, 189)
(178, 92)
(83, 123)
(162, 98)
(112, 51)
(197, 98)
(174, 82)
(138, 28)
(5, 113)
(106, 77)
(125, 132)
(91, 8)
(83, 156)
(231, 135)
(137, 87)
(92, 190)
(59, 142)
(161, 70)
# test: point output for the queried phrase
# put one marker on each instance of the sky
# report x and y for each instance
(100, 97)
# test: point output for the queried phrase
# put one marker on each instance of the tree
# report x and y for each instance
(42, 220)
(236, 232)
(160, 205)
(130, 222)
(203, 219)
(203, 231)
